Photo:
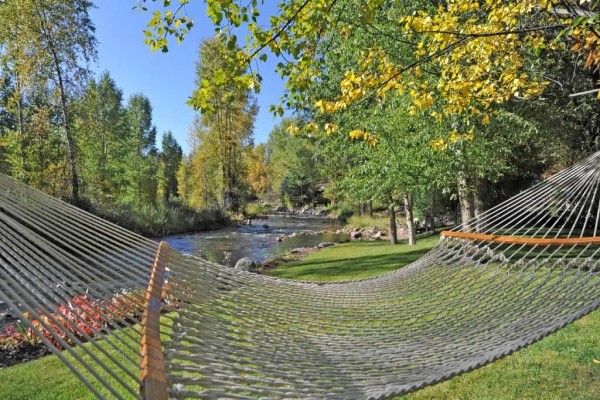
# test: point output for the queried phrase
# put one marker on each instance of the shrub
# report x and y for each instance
(80, 318)
(343, 213)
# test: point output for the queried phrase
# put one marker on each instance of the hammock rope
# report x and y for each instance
(133, 318)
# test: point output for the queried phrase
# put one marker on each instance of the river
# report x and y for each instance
(259, 240)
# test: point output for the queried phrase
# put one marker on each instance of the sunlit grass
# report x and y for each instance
(48, 378)
(558, 367)
(354, 260)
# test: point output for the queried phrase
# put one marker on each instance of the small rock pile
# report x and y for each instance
(283, 237)
(364, 234)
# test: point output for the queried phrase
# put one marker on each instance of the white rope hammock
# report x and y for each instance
(517, 273)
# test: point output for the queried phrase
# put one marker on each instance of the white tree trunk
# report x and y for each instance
(412, 229)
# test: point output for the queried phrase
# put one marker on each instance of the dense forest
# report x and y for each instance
(466, 127)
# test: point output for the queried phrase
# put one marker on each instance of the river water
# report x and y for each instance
(259, 240)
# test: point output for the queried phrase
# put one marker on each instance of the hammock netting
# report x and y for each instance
(124, 312)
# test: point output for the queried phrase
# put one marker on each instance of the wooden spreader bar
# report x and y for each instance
(584, 241)
(154, 376)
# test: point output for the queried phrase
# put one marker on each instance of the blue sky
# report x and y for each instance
(167, 79)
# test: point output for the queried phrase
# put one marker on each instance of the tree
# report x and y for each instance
(458, 41)
(257, 169)
(292, 161)
(227, 119)
(56, 39)
(184, 184)
(33, 144)
(466, 65)
(171, 156)
(393, 171)
(101, 122)
(7, 122)
(143, 157)
(205, 183)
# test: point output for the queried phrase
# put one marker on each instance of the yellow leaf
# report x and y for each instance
(293, 130)
(356, 134)
(320, 106)
(330, 128)
(485, 120)
(597, 361)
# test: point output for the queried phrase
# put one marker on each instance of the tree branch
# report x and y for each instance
(499, 33)
(281, 30)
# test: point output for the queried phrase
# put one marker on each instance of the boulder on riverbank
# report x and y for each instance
(355, 235)
(284, 237)
(299, 250)
(322, 245)
(245, 264)
(308, 211)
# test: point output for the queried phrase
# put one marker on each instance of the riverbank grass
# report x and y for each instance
(559, 367)
(353, 260)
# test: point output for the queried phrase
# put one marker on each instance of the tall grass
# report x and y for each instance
(164, 218)
(381, 221)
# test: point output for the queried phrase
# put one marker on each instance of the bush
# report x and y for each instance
(80, 318)
(253, 210)
(343, 213)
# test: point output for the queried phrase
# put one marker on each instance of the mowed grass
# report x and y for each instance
(559, 367)
(354, 260)
(49, 379)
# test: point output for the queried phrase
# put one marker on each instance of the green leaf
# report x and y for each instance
(232, 42)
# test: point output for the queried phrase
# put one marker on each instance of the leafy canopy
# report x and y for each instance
(467, 56)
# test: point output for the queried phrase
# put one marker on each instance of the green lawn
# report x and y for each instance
(559, 367)
(48, 378)
(353, 260)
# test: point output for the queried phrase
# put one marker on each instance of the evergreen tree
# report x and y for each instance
(171, 156)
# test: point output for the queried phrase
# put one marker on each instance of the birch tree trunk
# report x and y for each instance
(410, 223)
(467, 212)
